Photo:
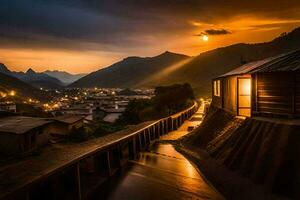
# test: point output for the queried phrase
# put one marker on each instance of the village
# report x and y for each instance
(71, 111)
(149, 100)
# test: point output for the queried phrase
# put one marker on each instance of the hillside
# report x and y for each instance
(23, 90)
(130, 71)
(38, 80)
(208, 65)
(198, 71)
(63, 76)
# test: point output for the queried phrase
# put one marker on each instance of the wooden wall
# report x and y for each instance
(217, 100)
(275, 93)
(230, 94)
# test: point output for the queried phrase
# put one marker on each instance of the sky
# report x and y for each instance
(86, 35)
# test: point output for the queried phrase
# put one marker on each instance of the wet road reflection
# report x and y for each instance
(162, 173)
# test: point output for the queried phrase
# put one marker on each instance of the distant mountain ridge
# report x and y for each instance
(129, 71)
(198, 71)
(23, 90)
(38, 80)
(64, 77)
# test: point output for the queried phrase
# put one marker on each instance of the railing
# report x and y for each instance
(79, 176)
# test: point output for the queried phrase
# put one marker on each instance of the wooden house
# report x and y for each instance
(20, 134)
(269, 87)
(66, 124)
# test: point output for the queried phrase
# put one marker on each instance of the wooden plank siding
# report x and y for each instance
(276, 93)
(230, 94)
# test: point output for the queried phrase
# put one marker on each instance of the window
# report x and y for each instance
(217, 88)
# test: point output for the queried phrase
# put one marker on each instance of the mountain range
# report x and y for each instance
(169, 68)
(38, 80)
(22, 89)
(129, 72)
(164, 69)
(47, 80)
(64, 77)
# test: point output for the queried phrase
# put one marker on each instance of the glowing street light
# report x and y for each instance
(12, 93)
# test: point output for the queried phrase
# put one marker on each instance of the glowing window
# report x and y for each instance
(217, 88)
(244, 86)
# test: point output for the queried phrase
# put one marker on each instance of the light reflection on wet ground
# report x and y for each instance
(183, 129)
(162, 173)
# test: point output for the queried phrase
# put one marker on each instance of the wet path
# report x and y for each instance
(161, 173)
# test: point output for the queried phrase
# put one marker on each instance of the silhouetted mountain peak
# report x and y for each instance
(30, 71)
(167, 54)
(4, 69)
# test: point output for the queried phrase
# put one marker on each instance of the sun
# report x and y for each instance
(205, 38)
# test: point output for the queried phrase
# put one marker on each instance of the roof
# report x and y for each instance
(113, 110)
(283, 62)
(21, 124)
(69, 119)
(112, 117)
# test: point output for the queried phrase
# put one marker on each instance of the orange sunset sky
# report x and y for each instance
(84, 36)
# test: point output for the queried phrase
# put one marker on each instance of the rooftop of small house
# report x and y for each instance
(112, 117)
(69, 119)
(113, 110)
(283, 62)
(21, 124)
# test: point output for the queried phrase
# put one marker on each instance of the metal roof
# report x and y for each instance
(283, 62)
(20, 124)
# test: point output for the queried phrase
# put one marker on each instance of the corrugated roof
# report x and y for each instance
(20, 124)
(283, 62)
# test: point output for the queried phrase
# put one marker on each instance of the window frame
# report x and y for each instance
(217, 88)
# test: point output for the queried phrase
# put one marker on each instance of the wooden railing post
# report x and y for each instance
(78, 181)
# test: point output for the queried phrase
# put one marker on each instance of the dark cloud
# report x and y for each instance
(113, 24)
(214, 32)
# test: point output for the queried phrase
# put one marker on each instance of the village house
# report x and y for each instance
(269, 87)
(20, 134)
(66, 124)
(109, 115)
(8, 107)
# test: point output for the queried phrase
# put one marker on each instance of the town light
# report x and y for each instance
(46, 105)
(3, 94)
(12, 93)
